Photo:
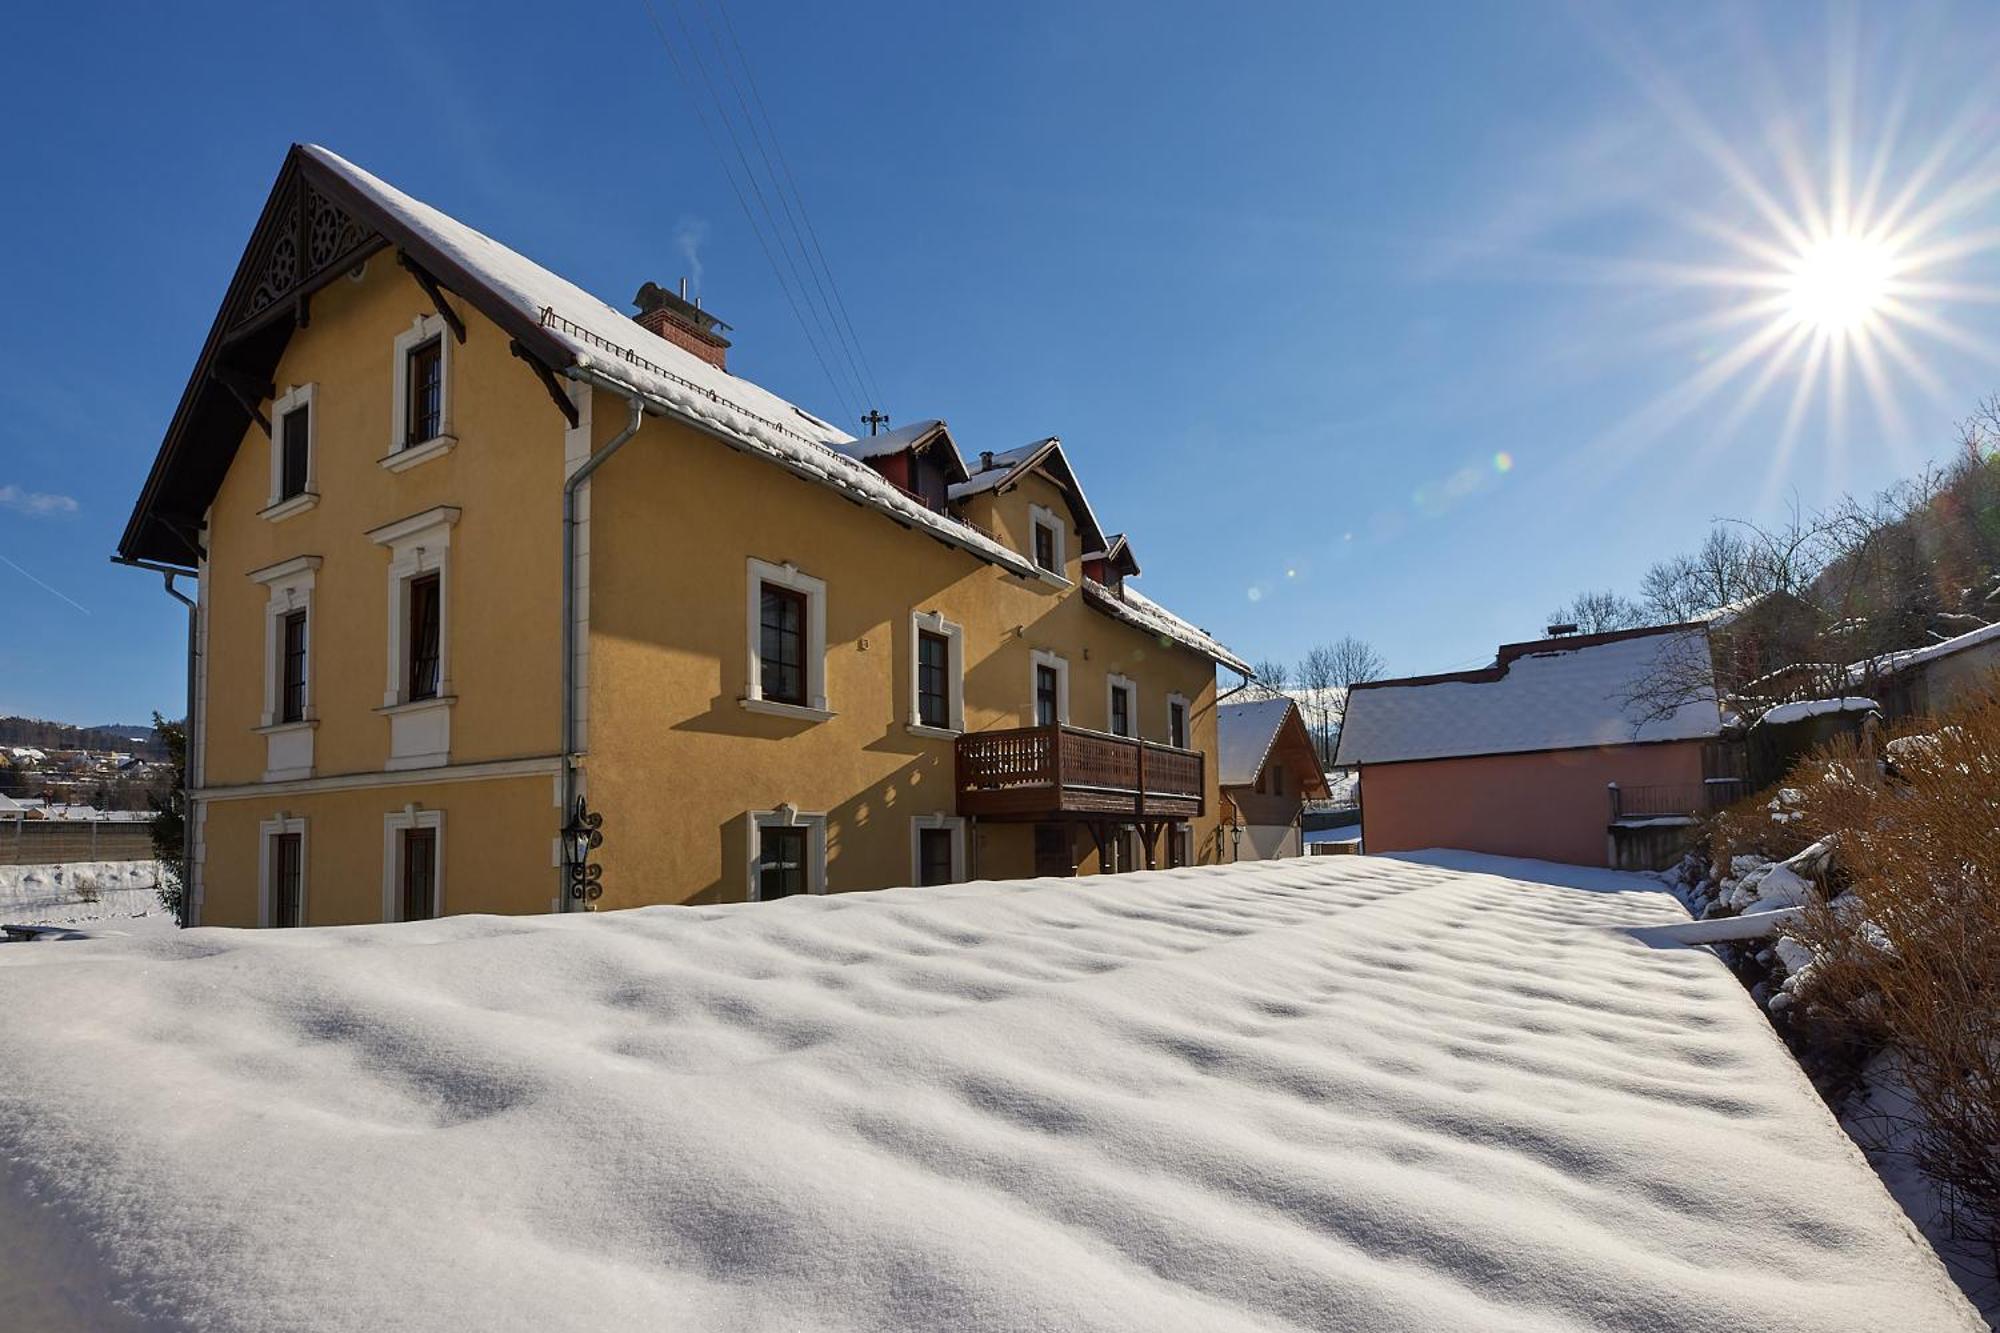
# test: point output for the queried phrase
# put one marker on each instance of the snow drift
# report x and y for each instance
(1327, 1094)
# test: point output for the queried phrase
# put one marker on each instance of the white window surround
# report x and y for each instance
(404, 454)
(394, 825)
(420, 729)
(1179, 701)
(787, 817)
(759, 573)
(955, 823)
(933, 622)
(280, 507)
(288, 746)
(1112, 685)
(1043, 658)
(269, 829)
(1043, 516)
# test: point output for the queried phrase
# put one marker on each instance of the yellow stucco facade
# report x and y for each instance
(673, 759)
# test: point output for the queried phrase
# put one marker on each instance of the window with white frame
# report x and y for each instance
(413, 864)
(786, 649)
(937, 850)
(418, 693)
(281, 871)
(937, 684)
(1048, 688)
(1050, 540)
(1121, 705)
(289, 714)
(294, 465)
(421, 409)
(1177, 721)
(787, 853)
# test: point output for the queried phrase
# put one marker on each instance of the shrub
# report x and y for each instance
(1909, 955)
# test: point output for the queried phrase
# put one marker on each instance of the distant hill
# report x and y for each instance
(135, 737)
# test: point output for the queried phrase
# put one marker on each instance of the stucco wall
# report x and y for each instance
(675, 761)
(503, 583)
(497, 848)
(1552, 805)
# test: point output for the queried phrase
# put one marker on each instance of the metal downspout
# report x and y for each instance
(167, 575)
(569, 744)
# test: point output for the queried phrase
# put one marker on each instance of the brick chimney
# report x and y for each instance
(682, 324)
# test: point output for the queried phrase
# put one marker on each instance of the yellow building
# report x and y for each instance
(480, 559)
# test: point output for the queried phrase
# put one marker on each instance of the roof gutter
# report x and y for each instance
(569, 741)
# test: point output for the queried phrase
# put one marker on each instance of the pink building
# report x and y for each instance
(1548, 753)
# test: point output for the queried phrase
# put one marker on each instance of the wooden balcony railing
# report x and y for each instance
(1048, 772)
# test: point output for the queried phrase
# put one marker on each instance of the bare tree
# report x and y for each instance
(1325, 676)
(1597, 612)
(1726, 571)
(1271, 678)
(1316, 687)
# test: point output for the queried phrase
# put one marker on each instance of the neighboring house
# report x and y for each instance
(1543, 754)
(481, 559)
(1269, 770)
(1931, 679)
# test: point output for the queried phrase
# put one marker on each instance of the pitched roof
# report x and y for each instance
(1245, 733)
(892, 441)
(1003, 470)
(1549, 694)
(1136, 609)
(1890, 663)
(553, 324)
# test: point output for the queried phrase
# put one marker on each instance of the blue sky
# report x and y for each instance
(1406, 322)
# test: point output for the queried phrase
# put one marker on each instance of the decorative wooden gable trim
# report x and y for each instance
(305, 241)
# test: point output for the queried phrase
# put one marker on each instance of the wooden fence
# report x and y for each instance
(29, 842)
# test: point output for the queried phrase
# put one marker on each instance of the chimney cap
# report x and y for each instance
(1561, 630)
(653, 297)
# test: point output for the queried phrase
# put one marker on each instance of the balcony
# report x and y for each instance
(1060, 772)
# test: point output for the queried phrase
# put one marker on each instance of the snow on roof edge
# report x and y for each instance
(1135, 608)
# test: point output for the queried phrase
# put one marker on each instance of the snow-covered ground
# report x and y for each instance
(109, 897)
(1445, 1092)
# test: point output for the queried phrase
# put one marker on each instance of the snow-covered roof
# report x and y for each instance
(1245, 733)
(1552, 694)
(1135, 608)
(1802, 709)
(609, 345)
(993, 470)
(890, 441)
(573, 333)
(1890, 663)
(1279, 1095)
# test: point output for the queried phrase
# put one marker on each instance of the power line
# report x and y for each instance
(844, 324)
(749, 172)
(829, 328)
(715, 144)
